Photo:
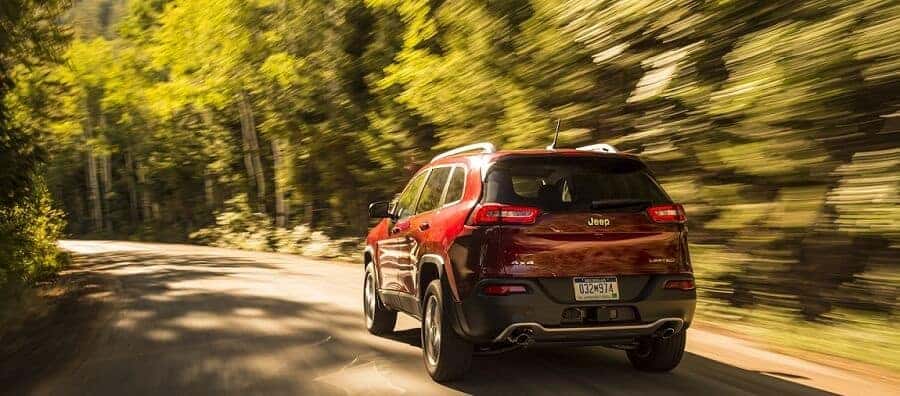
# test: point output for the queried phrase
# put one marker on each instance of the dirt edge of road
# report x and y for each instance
(55, 321)
(860, 368)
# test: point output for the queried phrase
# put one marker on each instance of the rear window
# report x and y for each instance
(434, 187)
(561, 184)
(455, 186)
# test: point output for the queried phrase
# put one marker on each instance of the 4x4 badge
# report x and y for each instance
(598, 221)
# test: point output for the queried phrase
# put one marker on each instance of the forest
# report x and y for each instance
(271, 124)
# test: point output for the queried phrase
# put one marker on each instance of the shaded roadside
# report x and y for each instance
(51, 326)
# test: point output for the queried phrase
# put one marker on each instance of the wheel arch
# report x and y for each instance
(369, 257)
(431, 267)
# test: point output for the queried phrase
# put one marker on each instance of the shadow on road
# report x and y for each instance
(47, 340)
(411, 337)
(597, 370)
(211, 325)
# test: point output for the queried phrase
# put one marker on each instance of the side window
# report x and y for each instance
(455, 186)
(434, 188)
(407, 203)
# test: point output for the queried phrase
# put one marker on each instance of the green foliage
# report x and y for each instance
(28, 37)
(28, 233)
(29, 225)
(239, 227)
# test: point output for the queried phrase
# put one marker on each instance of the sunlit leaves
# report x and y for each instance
(282, 68)
(868, 197)
(206, 48)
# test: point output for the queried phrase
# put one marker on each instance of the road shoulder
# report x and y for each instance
(861, 369)
(55, 323)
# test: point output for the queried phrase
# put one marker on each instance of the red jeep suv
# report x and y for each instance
(497, 250)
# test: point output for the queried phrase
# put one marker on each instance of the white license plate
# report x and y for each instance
(602, 288)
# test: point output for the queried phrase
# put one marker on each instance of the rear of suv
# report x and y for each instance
(495, 251)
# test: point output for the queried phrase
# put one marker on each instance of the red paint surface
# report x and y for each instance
(556, 245)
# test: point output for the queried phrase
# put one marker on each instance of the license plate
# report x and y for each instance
(602, 288)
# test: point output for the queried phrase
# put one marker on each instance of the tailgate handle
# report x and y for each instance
(424, 226)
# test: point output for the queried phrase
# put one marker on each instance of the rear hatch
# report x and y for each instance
(579, 216)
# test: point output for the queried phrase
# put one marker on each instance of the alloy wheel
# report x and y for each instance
(432, 330)
(370, 300)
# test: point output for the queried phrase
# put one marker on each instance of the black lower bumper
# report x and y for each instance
(545, 312)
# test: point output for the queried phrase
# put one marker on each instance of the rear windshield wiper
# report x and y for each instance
(637, 204)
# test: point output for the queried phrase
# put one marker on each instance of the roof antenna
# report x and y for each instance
(552, 146)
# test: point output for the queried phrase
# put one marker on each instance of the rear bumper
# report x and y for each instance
(588, 333)
(493, 319)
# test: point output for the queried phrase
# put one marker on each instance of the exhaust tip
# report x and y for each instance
(665, 332)
(523, 338)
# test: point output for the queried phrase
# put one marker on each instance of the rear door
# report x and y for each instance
(594, 218)
(427, 209)
(393, 251)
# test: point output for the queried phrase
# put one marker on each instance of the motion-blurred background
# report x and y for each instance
(270, 124)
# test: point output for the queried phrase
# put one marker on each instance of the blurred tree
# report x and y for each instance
(29, 226)
(214, 69)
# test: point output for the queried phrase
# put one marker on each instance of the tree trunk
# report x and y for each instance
(106, 178)
(93, 184)
(209, 189)
(281, 178)
(78, 206)
(146, 205)
(132, 188)
(210, 177)
(106, 173)
(245, 144)
(94, 192)
(308, 212)
(251, 149)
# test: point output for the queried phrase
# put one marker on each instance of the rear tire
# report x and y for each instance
(447, 356)
(379, 319)
(659, 355)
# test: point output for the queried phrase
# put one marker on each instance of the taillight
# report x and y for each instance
(681, 284)
(492, 213)
(503, 290)
(667, 213)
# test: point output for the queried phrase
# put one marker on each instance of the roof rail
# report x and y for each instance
(484, 147)
(601, 147)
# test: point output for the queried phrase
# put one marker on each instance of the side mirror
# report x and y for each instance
(380, 209)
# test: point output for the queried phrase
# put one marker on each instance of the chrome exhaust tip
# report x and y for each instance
(524, 338)
(665, 333)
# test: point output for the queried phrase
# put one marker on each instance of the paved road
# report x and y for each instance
(178, 319)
